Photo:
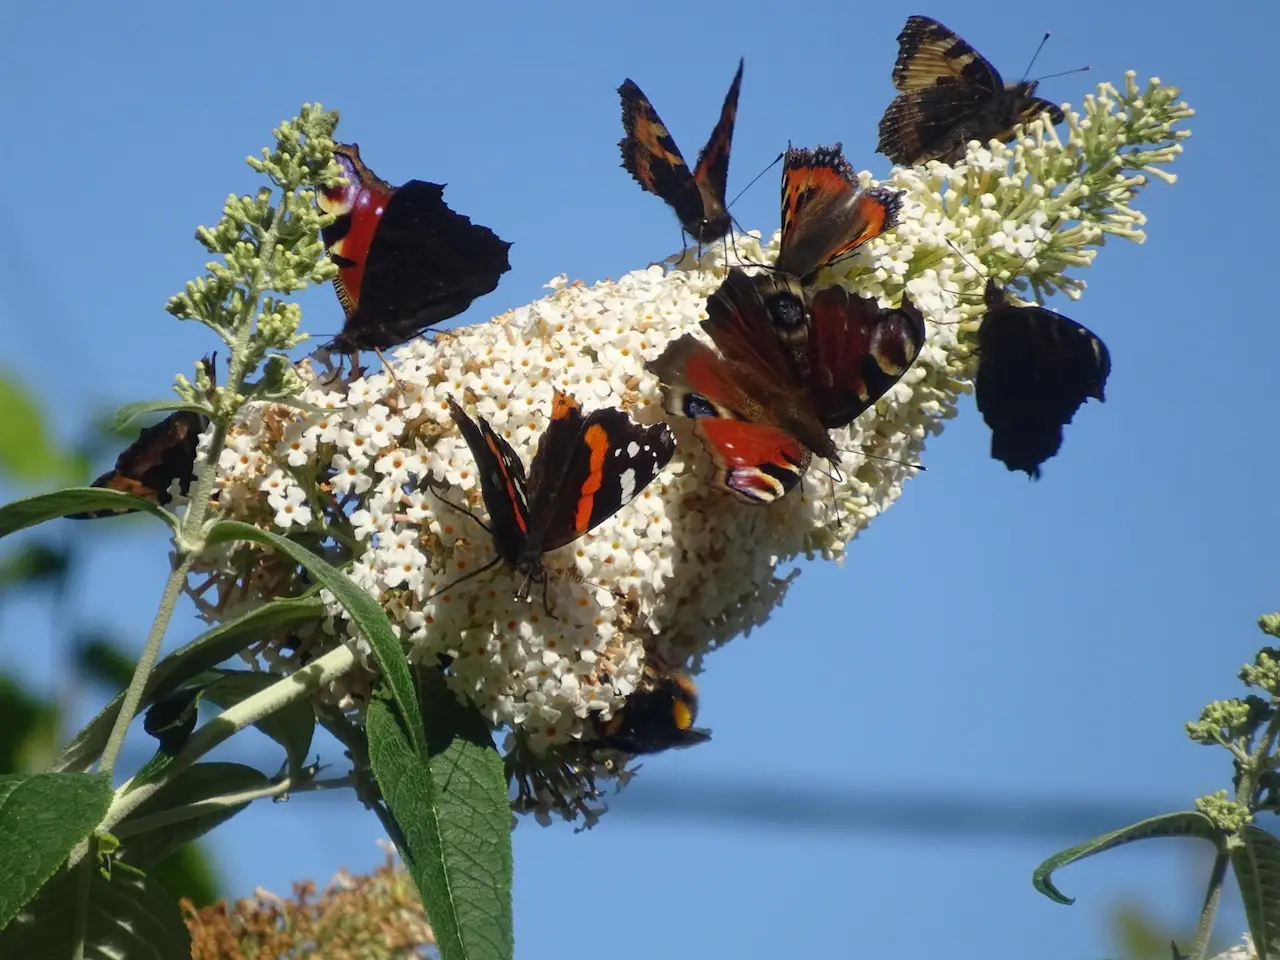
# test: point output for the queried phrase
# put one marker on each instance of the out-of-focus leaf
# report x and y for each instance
(28, 728)
(34, 565)
(1256, 863)
(102, 660)
(28, 452)
(31, 511)
(188, 872)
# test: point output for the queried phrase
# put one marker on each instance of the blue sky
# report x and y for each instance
(987, 640)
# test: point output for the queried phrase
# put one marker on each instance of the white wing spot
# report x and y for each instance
(633, 449)
(628, 483)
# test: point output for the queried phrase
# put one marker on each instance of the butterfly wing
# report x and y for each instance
(1014, 107)
(588, 468)
(824, 214)
(858, 351)
(357, 205)
(712, 172)
(651, 156)
(1035, 369)
(929, 52)
(502, 483)
(755, 459)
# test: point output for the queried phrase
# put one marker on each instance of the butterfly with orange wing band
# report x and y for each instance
(651, 156)
(1035, 370)
(950, 95)
(406, 261)
(764, 403)
(825, 213)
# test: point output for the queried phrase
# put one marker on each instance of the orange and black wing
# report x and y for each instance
(824, 213)
(712, 171)
(502, 483)
(587, 468)
(929, 52)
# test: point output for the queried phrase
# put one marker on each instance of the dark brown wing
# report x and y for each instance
(651, 156)
(929, 52)
(712, 171)
(858, 350)
(935, 123)
(502, 483)
(1035, 369)
(586, 469)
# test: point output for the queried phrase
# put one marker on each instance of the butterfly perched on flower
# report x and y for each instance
(1035, 369)
(763, 404)
(825, 213)
(658, 715)
(651, 156)
(950, 95)
(585, 469)
(163, 453)
(405, 260)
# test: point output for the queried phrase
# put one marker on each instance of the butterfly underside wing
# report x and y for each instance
(1035, 369)
(406, 261)
(502, 483)
(650, 155)
(950, 95)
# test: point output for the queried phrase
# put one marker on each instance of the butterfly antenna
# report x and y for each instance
(449, 503)
(1043, 41)
(774, 163)
(464, 578)
(1064, 73)
(386, 365)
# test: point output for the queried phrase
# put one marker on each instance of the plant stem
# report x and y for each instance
(133, 696)
(1212, 897)
(320, 672)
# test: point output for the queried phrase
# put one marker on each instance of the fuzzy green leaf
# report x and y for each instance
(194, 785)
(365, 613)
(205, 652)
(452, 820)
(140, 408)
(1256, 863)
(129, 916)
(1187, 823)
(292, 726)
(30, 511)
(27, 449)
(42, 818)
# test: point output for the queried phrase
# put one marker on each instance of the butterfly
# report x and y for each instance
(825, 214)
(950, 95)
(163, 453)
(405, 260)
(657, 716)
(651, 156)
(1035, 369)
(585, 469)
(763, 404)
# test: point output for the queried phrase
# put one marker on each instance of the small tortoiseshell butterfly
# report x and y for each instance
(585, 470)
(1035, 369)
(405, 260)
(950, 95)
(825, 214)
(162, 454)
(651, 156)
(658, 715)
(763, 405)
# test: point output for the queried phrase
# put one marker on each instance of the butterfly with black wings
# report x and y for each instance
(950, 95)
(585, 469)
(1035, 369)
(405, 260)
(651, 156)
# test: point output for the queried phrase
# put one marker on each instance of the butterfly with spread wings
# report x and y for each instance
(651, 156)
(1035, 369)
(951, 94)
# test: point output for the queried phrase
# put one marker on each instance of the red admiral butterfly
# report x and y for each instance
(405, 260)
(1035, 369)
(584, 471)
(162, 454)
(657, 716)
(950, 95)
(825, 215)
(651, 156)
(764, 403)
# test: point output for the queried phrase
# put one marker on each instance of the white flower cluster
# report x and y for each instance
(683, 568)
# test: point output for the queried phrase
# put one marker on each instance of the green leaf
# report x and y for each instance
(129, 916)
(1187, 823)
(453, 821)
(35, 565)
(140, 408)
(30, 511)
(196, 784)
(292, 726)
(1256, 863)
(27, 452)
(42, 818)
(28, 729)
(205, 652)
(365, 613)
(101, 659)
